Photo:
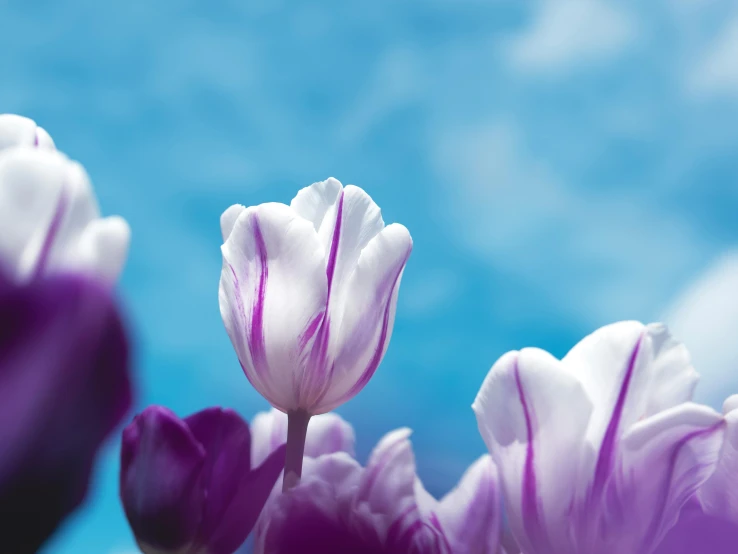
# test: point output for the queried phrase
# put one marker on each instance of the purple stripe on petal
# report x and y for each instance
(529, 493)
(256, 342)
(606, 457)
(316, 370)
(654, 531)
(331, 266)
(395, 528)
(310, 330)
(52, 232)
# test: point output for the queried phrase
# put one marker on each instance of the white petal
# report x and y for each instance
(16, 130)
(313, 202)
(46, 202)
(365, 327)
(326, 434)
(664, 460)
(385, 494)
(103, 247)
(730, 404)
(44, 140)
(470, 515)
(533, 414)
(272, 291)
(719, 495)
(630, 371)
(228, 219)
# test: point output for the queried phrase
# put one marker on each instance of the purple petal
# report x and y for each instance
(227, 442)
(250, 496)
(696, 532)
(161, 479)
(64, 386)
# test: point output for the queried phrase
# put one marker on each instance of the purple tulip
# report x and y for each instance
(64, 386)
(339, 507)
(187, 485)
(599, 451)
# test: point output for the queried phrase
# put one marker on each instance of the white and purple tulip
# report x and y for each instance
(308, 295)
(599, 451)
(50, 221)
(16, 130)
(340, 507)
(188, 485)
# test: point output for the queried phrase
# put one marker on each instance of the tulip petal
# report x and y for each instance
(532, 414)
(470, 514)
(326, 434)
(698, 533)
(629, 371)
(386, 491)
(16, 130)
(103, 247)
(719, 495)
(161, 481)
(369, 314)
(273, 292)
(64, 386)
(251, 495)
(227, 443)
(229, 218)
(46, 202)
(313, 202)
(665, 459)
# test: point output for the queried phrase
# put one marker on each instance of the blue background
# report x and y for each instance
(561, 164)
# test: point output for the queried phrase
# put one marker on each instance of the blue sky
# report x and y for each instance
(561, 164)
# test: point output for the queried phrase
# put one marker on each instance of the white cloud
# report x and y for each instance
(716, 72)
(705, 317)
(566, 33)
(598, 255)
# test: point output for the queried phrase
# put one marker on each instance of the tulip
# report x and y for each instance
(188, 486)
(64, 386)
(598, 452)
(16, 130)
(49, 219)
(308, 294)
(339, 506)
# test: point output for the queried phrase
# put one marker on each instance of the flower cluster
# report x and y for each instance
(601, 452)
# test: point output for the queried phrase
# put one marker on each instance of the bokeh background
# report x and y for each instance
(561, 164)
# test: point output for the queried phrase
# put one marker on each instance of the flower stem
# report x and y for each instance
(297, 425)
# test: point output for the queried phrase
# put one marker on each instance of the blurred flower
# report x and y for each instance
(64, 386)
(598, 452)
(50, 221)
(16, 130)
(188, 486)
(340, 507)
(308, 295)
